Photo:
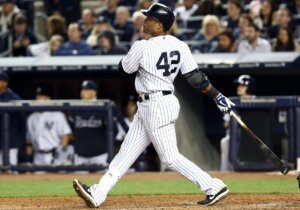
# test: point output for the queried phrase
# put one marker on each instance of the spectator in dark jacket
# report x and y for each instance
(123, 25)
(69, 9)
(75, 45)
(110, 11)
(233, 14)
(22, 36)
(87, 23)
(107, 44)
(15, 123)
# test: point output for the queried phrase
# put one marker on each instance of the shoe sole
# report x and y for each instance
(219, 198)
(89, 201)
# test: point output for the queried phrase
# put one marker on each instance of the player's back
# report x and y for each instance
(157, 61)
(161, 61)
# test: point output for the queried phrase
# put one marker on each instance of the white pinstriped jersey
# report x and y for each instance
(45, 129)
(157, 62)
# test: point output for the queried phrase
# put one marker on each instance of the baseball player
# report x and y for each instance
(156, 63)
(245, 88)
(47, 132)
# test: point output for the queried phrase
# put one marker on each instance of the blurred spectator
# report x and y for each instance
(75, 45)
(123, 25)
(267, 13)
(138, 20)
(226, 43)
(233, 14)
(283, 19)
(107, 44)
(109, 11)
(101, 25)
(240, 32)
(56, 25)
(48, 133)
(170, 3)
(208, 35)
(184, 12)
(174, 31)
(22, 36)
(90, 129)
(69, 9)
(15, 123)
(294, 7)
(209, 7)
(252, 42)
(27, 8)
(245, 89)
(285, 41)
(144, 4)
(7, 14)
(128, 3)
(87, 23)
(46, 48)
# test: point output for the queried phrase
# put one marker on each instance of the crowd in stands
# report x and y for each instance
(208, 26)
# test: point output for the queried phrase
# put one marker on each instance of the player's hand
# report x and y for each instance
(224, 104)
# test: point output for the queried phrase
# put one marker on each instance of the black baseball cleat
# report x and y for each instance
(83, 192)
(211, 199)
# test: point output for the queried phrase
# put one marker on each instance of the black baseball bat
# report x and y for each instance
(265, 149)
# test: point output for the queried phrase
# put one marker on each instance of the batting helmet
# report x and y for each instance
(162, 14)
(246, 80)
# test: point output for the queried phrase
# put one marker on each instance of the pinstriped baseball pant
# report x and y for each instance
(155, 123)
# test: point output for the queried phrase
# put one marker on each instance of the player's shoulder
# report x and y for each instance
(139, 43)
(32, 116)
(178, 42)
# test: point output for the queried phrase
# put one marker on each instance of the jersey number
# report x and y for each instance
(163, 62)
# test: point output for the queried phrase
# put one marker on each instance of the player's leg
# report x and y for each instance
(163, 137)
(135, 142)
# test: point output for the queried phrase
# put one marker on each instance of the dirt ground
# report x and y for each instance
(232, 201)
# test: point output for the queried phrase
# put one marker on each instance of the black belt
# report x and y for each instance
(46, 151)
(147, 96)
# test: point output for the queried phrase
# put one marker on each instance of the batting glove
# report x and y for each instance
(224, 104)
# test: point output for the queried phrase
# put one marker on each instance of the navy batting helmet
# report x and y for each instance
(162, 14)
(246, 80)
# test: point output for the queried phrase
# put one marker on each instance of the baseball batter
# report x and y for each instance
(156, 63)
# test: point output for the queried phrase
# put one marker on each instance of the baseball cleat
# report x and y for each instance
(211, 199)
(83, 191)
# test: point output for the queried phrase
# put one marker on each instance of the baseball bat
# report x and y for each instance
(265, 149)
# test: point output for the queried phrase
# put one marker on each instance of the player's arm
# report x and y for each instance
(201, 82)
(28, 148)
(131, 62)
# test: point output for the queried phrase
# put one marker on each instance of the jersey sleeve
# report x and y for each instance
(29, 136)
(132, 60)
(63, 127)
(188, 63)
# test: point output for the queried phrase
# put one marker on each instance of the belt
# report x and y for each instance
(147, 96)
(46, 151)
